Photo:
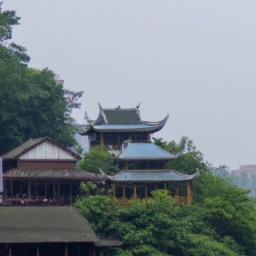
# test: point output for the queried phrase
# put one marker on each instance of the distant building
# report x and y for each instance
(249, 170)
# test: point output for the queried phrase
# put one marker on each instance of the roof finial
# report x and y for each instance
(99, 105)
(86, 117)
(118, 107)
(138, 106)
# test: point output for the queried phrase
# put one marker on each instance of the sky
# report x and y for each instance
(192, 59)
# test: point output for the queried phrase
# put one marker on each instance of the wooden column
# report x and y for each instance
(126, 166)
(165, 165)
(177, 189)
(37, 250)
(189, 193)
(147, 165)
(146, 192)
(53, 192)
(114, 190)
(118, 141)
(135, 192)
(70, 193)
(5, 191)
(155, 186)
(58, 192)
(148, 137)
(102, 139)
(29, 189)
(45, 191)
(11, 188)
(124, 192)
(10, 251)
(66, 250)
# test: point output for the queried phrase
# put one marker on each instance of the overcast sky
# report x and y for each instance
(192, 59)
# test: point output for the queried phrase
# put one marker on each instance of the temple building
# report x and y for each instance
(42, 169)
(143, 164)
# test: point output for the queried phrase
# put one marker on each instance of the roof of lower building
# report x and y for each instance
(45, 224)
(52, 174)
(149, 176)
(32, 143)
(144, 151)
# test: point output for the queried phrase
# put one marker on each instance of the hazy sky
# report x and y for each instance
(192, 59)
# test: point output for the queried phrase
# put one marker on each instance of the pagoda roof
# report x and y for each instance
(52, 174)
(149, 176)
(144, 151)
(123, 120)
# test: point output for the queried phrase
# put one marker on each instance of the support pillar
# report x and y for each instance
(189, 193)
(135, 192)
(124, 192)
(70, 194)
(11, 188)
(126, 166)
(37, 250)
(45, 191)
(147, 165)
(5, 192)
(29, 189)
(53, 192)
(165, 165)
(146, 192)
(118, 141)
(101, 139)
(10, 251)
(155, 186)
(58, 192)
(66, 250)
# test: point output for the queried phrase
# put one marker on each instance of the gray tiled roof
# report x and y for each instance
(28, 224)
(144, 151)
(150, 176)
(52, 174)
(16, 151)
(121, 116)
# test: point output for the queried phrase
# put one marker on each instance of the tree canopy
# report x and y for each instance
(33, 103)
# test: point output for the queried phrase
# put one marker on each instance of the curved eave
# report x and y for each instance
(144, 158)
(144, 126)
(182, 177)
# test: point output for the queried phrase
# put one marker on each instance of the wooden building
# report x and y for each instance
(47, 231)
(42, 168)
(143, 164)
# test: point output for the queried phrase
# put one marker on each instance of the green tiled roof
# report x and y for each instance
(45, 224)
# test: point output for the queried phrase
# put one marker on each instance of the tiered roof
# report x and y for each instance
(144, 151)
(149, 176)
(122, 120)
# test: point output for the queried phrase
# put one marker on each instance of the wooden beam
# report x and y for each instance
(66, 250)
(29, 189)
(53, 192)
(70, 193)
(101, 139)
(118, 141)
(146, 192)
(124, 192)
(135, 192)
(189, 194)
(37, 250)
(11, 188)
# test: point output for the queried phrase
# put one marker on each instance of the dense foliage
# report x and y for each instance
(99, 157)
(220, 221)
(33, 103)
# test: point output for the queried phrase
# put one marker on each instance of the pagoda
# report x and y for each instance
(143, 164)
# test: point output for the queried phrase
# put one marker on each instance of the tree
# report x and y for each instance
(99, 157)
(33, 103)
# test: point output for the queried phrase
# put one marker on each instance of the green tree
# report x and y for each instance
(99, 157)
(32, 102)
